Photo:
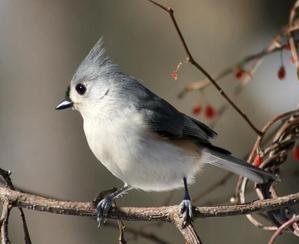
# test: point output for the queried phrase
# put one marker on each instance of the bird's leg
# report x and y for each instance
(186, 204)
(105, 204)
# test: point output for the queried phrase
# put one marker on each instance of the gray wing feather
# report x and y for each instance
(164, 118)
(238, 167)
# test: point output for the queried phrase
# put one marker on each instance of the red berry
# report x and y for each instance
(287, 47)
(257, 160)
(281, 73)
(210, 112)
(239, 73)
(196, 110)
(296, 153)
(174, 75)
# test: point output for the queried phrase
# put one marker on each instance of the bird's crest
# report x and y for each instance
(95, 64)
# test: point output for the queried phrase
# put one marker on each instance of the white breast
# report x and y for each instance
(125, 147)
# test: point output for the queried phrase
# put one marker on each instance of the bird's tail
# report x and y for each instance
(237, 166)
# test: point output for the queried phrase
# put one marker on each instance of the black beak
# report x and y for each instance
(66, 103)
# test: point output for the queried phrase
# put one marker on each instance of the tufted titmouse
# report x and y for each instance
(139, 137)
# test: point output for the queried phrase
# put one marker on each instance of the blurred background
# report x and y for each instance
(43, 42)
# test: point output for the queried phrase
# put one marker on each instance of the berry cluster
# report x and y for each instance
(208, 110)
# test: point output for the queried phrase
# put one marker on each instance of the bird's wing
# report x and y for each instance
(168, 122)
(164, 119)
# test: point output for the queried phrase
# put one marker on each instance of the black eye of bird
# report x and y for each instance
(80, 88)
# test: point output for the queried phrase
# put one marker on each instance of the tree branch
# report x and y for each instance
(199, 67)
(166, 214)
(4, 222)
(282, 228)
(137, 232)
(6, 176)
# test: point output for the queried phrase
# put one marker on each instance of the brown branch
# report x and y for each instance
(121, 237)
(199, 67)
(187, 230)
(282, 228)
(247, 77)
(4, 222)
(140, 233)
(265, 129)
(274, 155)
(6, 176)
(292, 41)
(202, 84)
(166, 214)
(50, 205)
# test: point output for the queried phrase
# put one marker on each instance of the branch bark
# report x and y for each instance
(282, 228)
(166, 214)
(4, 222)
(6, 177)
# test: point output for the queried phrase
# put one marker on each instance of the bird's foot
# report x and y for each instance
(104, 204)
(186, 210)
(102, 209)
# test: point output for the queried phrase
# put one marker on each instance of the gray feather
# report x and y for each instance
(161, 116)
(96, 64)
(237, 166)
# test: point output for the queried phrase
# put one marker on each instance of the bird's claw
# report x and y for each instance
(186, 210)
(102, 210)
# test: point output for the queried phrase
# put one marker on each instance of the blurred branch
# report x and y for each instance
(282, 228)
(292, 41)
(192, 61)
(149, 236)
(275, 46)
(121, 237)
(272, 156)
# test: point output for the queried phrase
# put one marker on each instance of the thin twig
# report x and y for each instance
(265, 129)
(4, 222)
(248, 77)
(202, 84)
(282, 228)
(121, 237)
(6, 176)
(199, 67)
(140, 233)
(292, 41)
(274, 154)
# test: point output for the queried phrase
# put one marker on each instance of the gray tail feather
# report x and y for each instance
(237, 166)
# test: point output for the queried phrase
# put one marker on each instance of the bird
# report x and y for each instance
(141, 138)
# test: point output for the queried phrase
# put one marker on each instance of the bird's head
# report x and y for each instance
(92, 81)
